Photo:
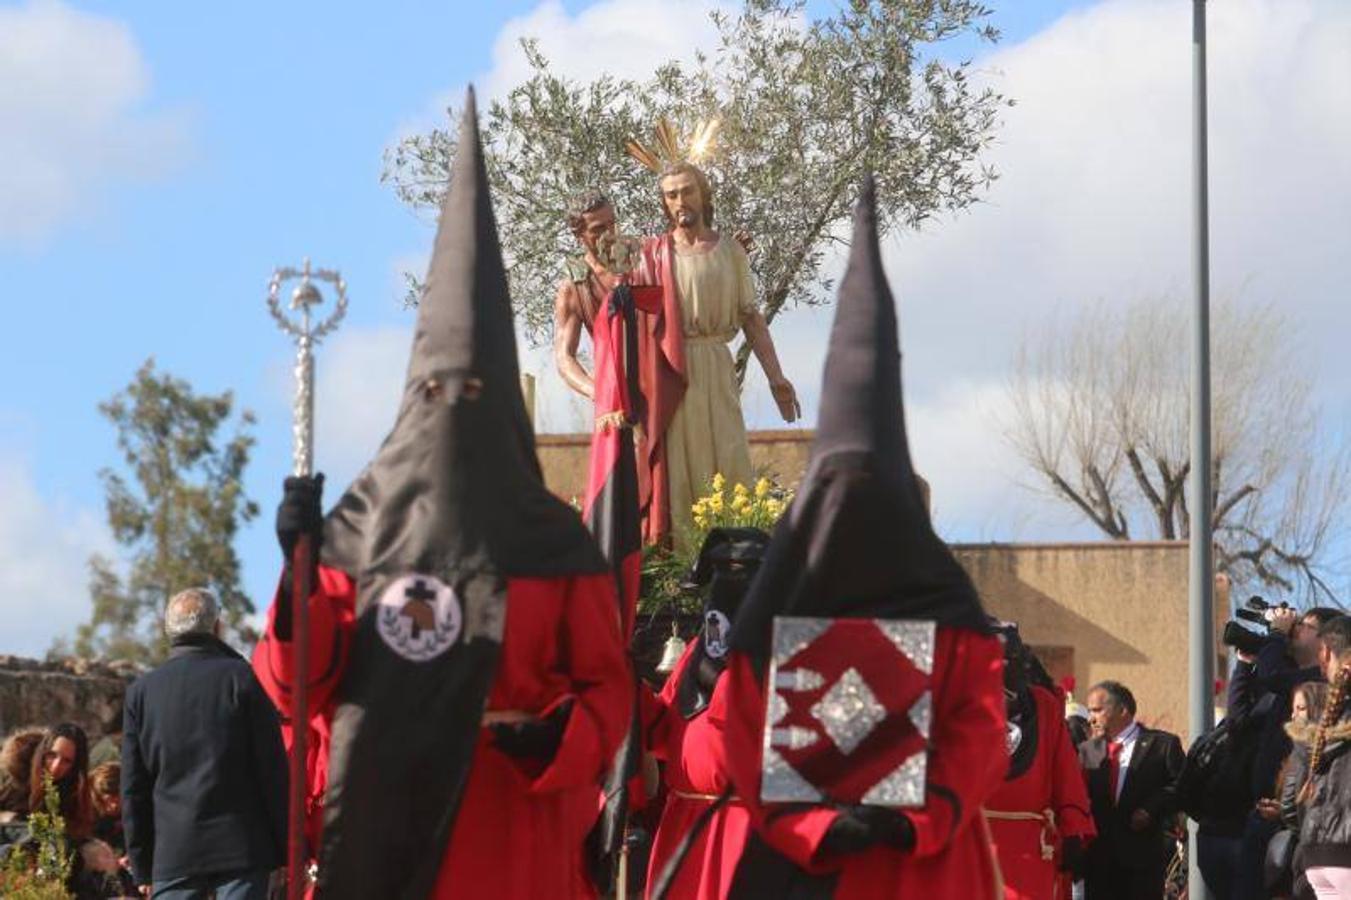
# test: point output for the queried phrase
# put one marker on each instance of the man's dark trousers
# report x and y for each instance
(248, 885)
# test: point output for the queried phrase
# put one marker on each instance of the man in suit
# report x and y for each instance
(203, 768)
(1132, 772)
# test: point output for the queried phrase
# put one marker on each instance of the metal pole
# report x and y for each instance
(306, 334)
(1201, 626)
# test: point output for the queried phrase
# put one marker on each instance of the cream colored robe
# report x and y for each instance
(708, 433)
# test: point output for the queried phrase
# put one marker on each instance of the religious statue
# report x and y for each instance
(707, 289)
(694, 293)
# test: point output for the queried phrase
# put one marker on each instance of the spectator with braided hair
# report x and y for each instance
(1323, 755)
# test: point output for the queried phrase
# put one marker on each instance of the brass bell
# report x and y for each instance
(670, 652)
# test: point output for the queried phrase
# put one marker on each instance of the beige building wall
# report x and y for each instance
(780, 454)
(1108, 610)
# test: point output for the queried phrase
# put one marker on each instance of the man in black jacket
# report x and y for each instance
(203, 767)
(1131, 771)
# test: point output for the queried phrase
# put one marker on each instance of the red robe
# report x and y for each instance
(695, 772)
(518, 833)
(1053, 788)
(661, 358)
(952, 857)
(661, 370)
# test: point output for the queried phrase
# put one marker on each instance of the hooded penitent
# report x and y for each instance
(857, 543)
(1022, 672)
(450, 508)
(857, 540)
(726, 565)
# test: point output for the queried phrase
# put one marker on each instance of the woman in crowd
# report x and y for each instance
(1321, 767)
(63, 756)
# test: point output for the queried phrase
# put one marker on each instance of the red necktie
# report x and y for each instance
(1113, 768)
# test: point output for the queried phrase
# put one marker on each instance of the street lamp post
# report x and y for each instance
(1201, 609)
(307, 332)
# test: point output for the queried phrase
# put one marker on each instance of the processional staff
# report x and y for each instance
(306, 333)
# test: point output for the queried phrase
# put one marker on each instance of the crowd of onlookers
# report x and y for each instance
(55, 768)
(1269, 787)
(183, 799)
(1282, 827)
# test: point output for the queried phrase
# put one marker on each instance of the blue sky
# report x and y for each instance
(186, 150)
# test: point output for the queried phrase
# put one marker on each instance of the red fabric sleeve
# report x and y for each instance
(332, 618)
(1069, 790)
(602, 686)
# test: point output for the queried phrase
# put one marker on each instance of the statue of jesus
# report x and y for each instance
(706, 279)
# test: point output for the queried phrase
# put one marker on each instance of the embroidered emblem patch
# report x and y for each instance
(419, 617)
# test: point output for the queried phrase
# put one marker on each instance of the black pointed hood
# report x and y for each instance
(449, 510)
(857, 540)
(462, 436)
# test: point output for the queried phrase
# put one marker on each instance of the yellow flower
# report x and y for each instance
(740, 503)
(741, 490)
(762, 487)
(719, 482)
(700, 507)
(774, 507)
(701, 522)
(715, 503)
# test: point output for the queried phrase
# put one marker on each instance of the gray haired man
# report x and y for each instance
(203, 767)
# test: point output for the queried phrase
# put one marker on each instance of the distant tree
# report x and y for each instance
(176, 515)
(806, 106)
(1101, 412)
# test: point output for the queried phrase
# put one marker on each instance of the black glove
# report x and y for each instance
(1073, 859)
(858, 828)
(299, 513)
(537, 739)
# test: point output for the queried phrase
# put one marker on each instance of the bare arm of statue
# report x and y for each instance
(567, 335)
(762, 345)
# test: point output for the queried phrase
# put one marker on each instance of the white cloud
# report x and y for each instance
(44, 549)
(72, 88)
(621, 38)
(1095, 195)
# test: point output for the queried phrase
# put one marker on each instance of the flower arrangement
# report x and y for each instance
(758, 506)
(723, 506)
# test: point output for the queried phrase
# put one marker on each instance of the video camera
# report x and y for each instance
(1257, 611)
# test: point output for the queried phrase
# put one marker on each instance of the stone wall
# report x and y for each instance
(44, 693)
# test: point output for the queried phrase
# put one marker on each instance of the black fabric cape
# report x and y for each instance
(454, 493)
(613, 516)
(856, 540)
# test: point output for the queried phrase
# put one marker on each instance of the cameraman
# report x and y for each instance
(1260, 692)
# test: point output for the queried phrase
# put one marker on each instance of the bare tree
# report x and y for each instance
(1100, 409)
